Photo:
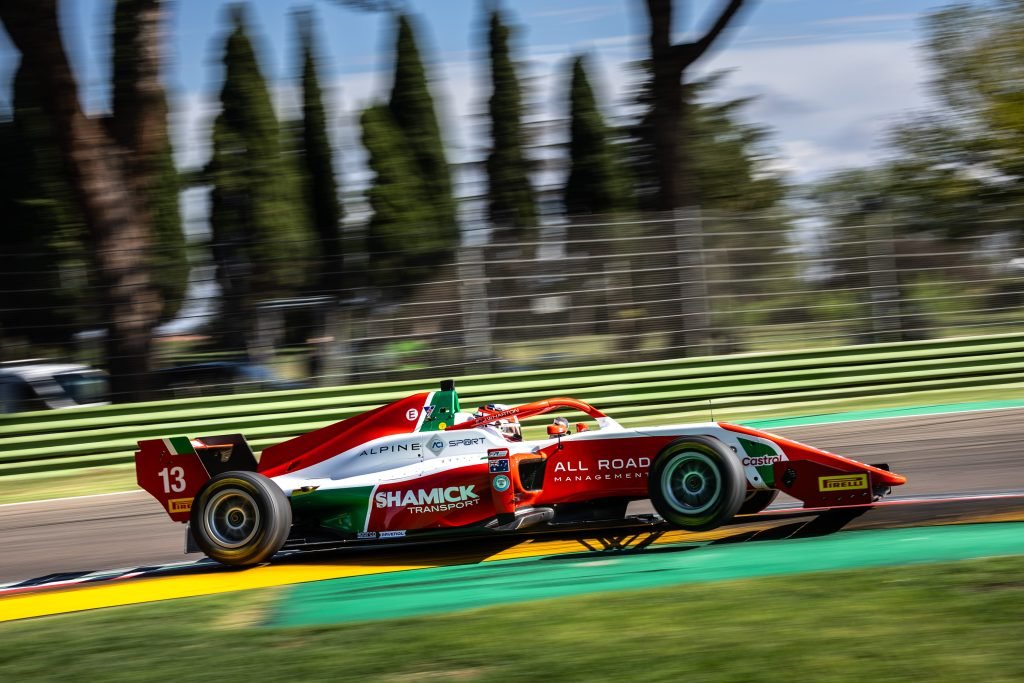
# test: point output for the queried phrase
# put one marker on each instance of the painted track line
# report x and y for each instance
(838, 418)
(69, 498)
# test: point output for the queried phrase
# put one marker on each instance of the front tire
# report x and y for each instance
(696, 483)
(240, 518)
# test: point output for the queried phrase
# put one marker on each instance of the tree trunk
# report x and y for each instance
(676, 189)
(666, 112)
(98, 172)
(669, 62)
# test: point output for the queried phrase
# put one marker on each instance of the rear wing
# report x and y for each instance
(173, 470)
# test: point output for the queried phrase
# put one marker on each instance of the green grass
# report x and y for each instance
(21, 488)
(949, 622)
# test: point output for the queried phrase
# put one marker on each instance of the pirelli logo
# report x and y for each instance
(179, 505)
(843, 482)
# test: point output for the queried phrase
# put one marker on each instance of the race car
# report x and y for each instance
(420, 467)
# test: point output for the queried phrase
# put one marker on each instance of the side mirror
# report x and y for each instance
(556, 430)
(581, 427)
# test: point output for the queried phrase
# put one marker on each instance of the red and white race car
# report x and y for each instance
(420, 467)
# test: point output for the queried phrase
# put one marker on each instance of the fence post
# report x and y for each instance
(478, 353)
(694, 331)
(334, 352)
(883, 279)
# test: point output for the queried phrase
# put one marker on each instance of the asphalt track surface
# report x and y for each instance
(942, 455)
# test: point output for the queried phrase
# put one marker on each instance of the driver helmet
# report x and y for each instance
(508, 425)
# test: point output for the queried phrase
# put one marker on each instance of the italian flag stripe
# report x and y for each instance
(179, 445)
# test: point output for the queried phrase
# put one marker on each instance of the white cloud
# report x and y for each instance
(864, 19)
(830, 103)
(576, 15)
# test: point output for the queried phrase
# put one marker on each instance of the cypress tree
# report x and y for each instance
(45, 282)
(413, 229)
(403, 249)
(596, 184)
(261, 232)
(167, 258)
(510, 198)
(412, 109)
(316, 167)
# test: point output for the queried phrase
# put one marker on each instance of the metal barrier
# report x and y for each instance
(813, 381)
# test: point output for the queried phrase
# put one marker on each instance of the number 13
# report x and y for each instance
(175, 473)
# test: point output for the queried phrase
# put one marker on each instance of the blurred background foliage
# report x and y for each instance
(717, 251)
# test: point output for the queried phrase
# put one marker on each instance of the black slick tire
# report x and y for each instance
(240, 518)
(696, 483)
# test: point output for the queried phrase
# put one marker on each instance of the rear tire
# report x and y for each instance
(758, 500)
(696, 483)
(240, 518)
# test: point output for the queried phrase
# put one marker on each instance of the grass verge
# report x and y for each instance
(22, 488)
(944, 622)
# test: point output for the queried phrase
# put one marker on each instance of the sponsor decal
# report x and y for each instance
(496, 466)
(388, 449)
(412, 414)
(392, 534)
(843, 482)
(603, 469)
(179, 505)
(475, 441)
(427, 412)
(421, 501)
(497, 453)
(494, 417)
(436, 445)
(759, 453)
(366, 534)
(766, 460)
(501, 483)
(179, 445)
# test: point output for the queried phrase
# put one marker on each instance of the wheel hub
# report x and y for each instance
(231, 518)
(691, 482)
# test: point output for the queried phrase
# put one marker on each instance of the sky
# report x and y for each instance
(828, 77)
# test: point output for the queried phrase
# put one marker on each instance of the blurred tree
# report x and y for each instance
(316, 167)
(865, 256)
(961, 164)
(733, 162)
(511, 204)
(596, 183)
(413, 230)
(152, 163)
(103, 182)
(742, 228)
(669, 62)
(403, 247)
(261, 232)
(956, 172)
(46, 281)
(412, 108)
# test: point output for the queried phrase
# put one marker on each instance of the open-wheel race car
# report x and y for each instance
(421, 467)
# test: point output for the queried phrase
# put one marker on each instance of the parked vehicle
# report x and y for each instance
(41, 385)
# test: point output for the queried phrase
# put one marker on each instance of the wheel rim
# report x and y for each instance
(232, 518)
(691, 482)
